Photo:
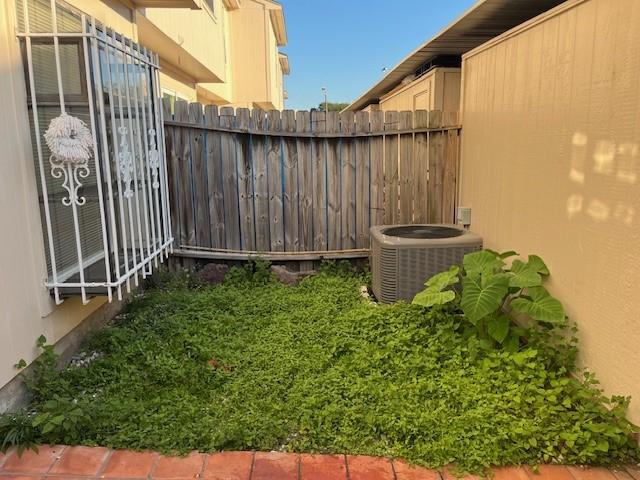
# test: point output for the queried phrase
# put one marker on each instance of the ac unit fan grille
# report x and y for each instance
(400, 266)
(418, 264)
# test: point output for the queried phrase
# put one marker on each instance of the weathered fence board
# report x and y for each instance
(199, 168)
(260, 182)
(229, 180)
(319, 173)
(362, 174)
(290, 179)
(274, 175)
(187, 220)
(334, 209)
(245, 182)
(376, 158)
(391, 169)
(305, 183)
(421, 167)
(302, 183)
(214, 178)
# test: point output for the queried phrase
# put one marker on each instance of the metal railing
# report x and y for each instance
(119, 89)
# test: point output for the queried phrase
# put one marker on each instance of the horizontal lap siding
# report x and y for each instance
(551, 165)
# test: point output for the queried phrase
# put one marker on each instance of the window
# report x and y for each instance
(172, 97)
(105, 220)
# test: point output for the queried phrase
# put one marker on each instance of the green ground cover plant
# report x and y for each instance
(254, 364)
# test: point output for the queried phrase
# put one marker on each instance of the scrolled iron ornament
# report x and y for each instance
(154, 158)
(126, 162)
(71, 146)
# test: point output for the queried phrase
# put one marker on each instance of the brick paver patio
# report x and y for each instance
(81, 463)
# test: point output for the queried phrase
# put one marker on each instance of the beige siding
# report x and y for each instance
(249, 53)
(199, 32)
(550, 165)
(27, 309)
(256, 72)
(438, 89)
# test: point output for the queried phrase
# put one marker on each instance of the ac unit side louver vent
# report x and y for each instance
(403, 257)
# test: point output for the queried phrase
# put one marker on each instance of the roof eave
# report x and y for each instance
(279, 27)
(284, 63)
(465, 33)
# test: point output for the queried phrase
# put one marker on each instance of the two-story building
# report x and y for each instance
(226, 52)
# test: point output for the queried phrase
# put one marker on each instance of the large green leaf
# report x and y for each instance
(484, 261)
(539, 305)
(480, 298)
(434, 294)
(524, 275)
(498, 327)
(538, 265)
(429, 298)
(444, 279)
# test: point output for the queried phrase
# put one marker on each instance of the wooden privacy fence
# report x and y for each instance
(252, 181)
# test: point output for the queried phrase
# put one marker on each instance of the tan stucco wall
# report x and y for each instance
(199, 32)
(550, 165)
(255, 65)
(27, 309)
(438, 89)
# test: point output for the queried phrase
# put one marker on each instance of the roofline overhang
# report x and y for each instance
(231, 4)
(276, 15)
(278, 24)
(192, 4)
(172, 53)
(457, 38)
(284, 63)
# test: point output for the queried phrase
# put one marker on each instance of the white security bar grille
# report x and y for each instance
(104, 208)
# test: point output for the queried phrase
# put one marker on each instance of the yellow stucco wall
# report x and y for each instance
(550, 165)
(238, 47)
(438, 89)
(112, 13)
(27, 309)
(256, 73)
(199, 32)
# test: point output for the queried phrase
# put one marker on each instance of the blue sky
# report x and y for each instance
(344, 44)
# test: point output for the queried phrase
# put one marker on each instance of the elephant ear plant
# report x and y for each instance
(492, 296)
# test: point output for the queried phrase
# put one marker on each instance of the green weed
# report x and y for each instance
(253, 364)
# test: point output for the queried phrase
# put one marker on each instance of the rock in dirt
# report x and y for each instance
(288, 277)
(213, 273)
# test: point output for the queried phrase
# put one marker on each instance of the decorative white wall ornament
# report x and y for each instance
(126, 162)
(154, 158)
(71, 146)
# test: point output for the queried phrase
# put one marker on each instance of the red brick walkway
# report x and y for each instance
(81, 463)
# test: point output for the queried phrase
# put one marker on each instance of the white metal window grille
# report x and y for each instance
(105, 220)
